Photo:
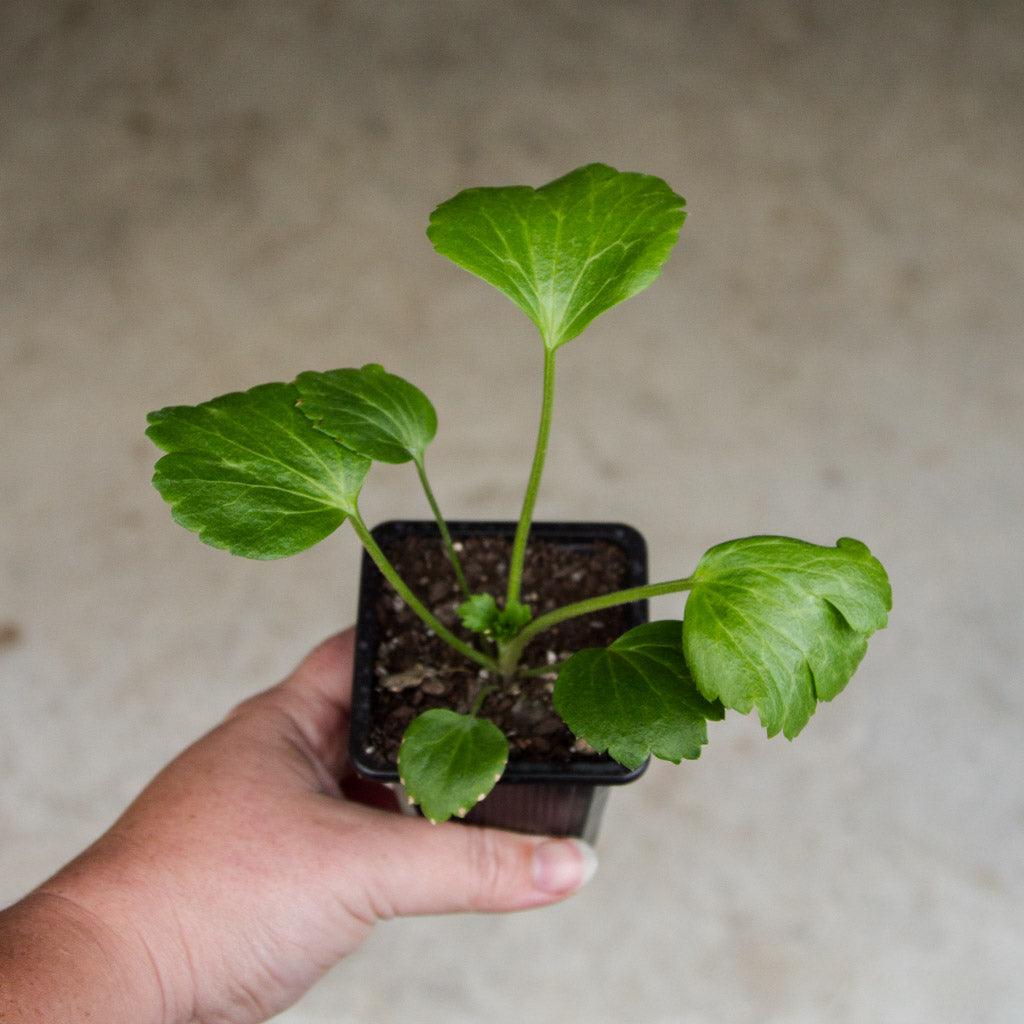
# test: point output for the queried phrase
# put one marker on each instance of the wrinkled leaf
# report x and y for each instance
(482, 615)
(635, 697)
(479, 613)
(780, 624)
(371, 411)
(249, 473)
(568, 251)
(448, 762)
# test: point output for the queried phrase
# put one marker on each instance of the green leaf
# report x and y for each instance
(373, 412)
(511, 620)
(448, 762)
(479, 613)
(635, 697)
(248, 472)
(482, 615)
(568, 251)
(781, 624)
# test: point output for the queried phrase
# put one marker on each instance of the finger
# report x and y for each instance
(326, 672)
(317, 698)
(419, 868)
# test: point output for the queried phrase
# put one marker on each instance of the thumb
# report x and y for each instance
(448, 868)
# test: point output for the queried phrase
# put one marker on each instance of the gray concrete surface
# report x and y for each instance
(199, 197)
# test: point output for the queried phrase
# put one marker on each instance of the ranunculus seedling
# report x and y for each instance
(770, 623)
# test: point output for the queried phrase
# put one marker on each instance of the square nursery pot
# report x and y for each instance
(551, 786)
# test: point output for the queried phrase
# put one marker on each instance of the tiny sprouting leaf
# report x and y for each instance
(512, 619)
(449, 762)
(369, 410)
(635, 697)
(481, 614)
(779, 624)
(567, 251)
(249, 473)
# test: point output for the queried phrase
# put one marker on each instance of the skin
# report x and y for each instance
(247, 868)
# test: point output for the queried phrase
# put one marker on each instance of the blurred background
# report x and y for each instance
(198, 197)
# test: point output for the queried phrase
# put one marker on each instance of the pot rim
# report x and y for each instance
(602, 770)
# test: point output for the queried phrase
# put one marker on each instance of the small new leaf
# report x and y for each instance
(375, 413)
(481, 614)
(568, 251)
(511, 620)
(635, 697)
(779, 624)
(448, 762)
(249, 473)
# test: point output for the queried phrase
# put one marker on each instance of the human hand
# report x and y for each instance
(252, 863)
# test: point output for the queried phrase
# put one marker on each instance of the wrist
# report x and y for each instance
(60, 961)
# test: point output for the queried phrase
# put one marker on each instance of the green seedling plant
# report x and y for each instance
(770, 623)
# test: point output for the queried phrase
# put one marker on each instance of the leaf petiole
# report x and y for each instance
(442, 525)
(513, 650)
(515, 570)
(486, 689)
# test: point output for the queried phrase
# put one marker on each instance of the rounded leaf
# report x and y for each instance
(371, 411)
(247, 472)
(567, 251)
(780, 624)
(635, 697)
(448, 762)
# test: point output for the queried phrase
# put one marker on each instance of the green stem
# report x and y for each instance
(443, 527)
(515, 570)
(513, 650)
(389, 573)
(480, 698)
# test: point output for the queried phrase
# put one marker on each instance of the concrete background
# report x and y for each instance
(197, 197)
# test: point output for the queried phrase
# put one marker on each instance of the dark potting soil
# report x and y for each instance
(418, 671)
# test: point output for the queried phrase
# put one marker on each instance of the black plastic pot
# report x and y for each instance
(558, 799)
